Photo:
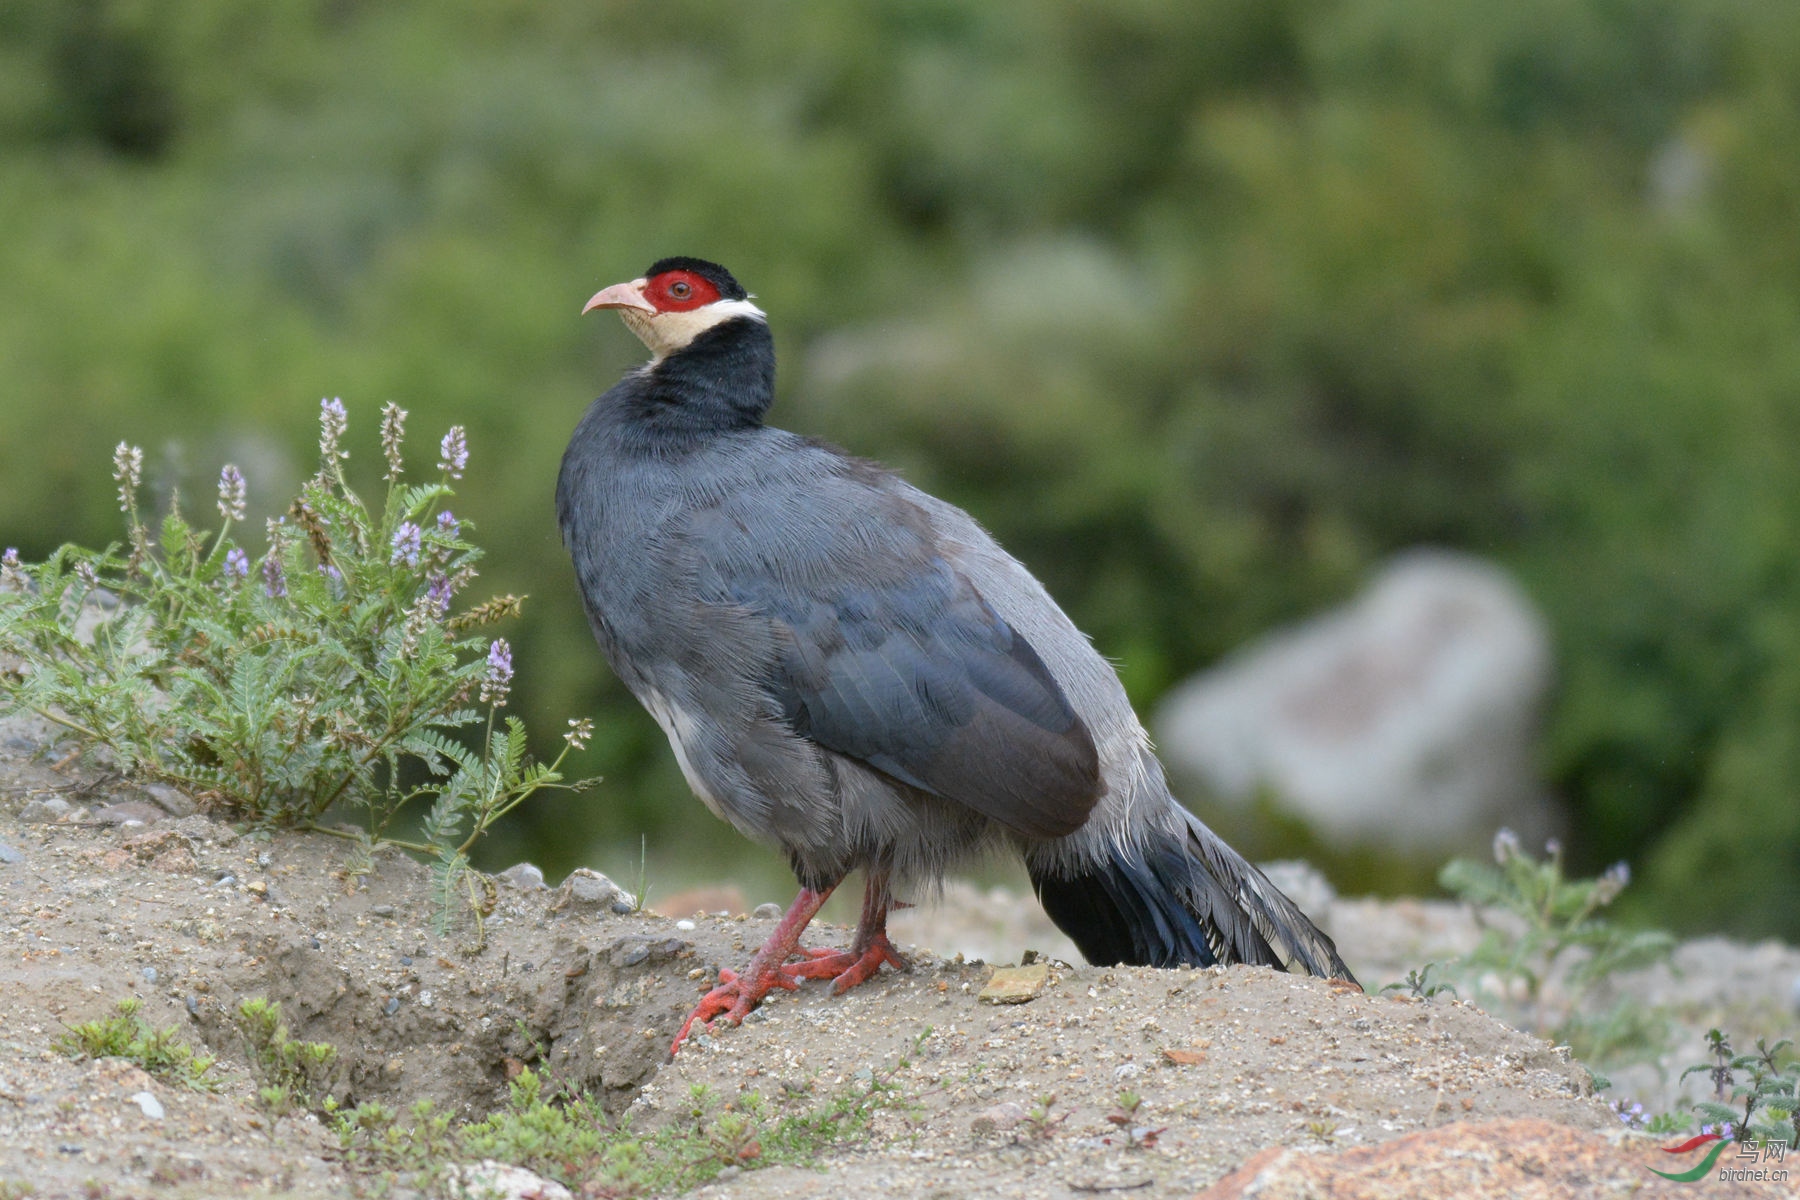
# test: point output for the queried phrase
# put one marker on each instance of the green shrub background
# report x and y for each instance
(1203, 307)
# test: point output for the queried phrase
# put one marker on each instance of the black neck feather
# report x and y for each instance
(722, 380)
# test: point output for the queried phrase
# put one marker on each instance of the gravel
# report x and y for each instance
(190, 917)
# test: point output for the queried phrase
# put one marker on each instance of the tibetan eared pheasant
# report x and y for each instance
(854, 671)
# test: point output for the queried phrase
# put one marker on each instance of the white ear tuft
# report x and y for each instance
(666, 332)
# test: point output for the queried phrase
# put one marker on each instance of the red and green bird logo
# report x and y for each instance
(1706, 1164)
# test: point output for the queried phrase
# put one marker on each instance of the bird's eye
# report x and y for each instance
(681, 289)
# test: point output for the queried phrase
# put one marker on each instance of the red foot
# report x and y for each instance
(733, 999)
(769, 968)
(737, 994)
(847, 968)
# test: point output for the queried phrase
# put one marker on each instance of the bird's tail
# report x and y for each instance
(1183, 899)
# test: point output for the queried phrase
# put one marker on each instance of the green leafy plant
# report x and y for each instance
(1419, 984)
(292, 1075)
(328, 672)
(1756, 1096)
(567, 1135)
(563, 1133)
(127, 1035)
(373, 1139)
(1657, 1126)
(1549, 963)
(1038, 1123)
(1125, 1117)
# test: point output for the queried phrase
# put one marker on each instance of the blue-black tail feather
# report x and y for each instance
(1183, 900)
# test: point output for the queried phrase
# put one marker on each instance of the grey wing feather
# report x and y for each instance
(888, 654)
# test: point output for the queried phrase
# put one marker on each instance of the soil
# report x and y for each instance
(109, 892)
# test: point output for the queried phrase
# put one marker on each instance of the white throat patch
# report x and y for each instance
(665, 333)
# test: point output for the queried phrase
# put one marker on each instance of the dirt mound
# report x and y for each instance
(1027, 1099)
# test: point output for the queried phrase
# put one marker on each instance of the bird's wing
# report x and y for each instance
(885, 653)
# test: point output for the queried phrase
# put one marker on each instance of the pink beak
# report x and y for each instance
(621, 295)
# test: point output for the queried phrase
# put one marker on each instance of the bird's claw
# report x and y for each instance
(732, 1000)
(847, 968)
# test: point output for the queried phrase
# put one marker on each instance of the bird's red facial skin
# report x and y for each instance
(679, 291)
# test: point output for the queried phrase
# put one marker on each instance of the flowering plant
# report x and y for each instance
(325, 672)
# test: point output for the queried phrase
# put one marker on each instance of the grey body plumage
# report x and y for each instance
(855, 671)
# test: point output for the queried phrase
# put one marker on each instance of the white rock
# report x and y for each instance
(149, 1105)
(586, 889)
(527, 877)
(499, 1181)
(1406, 719)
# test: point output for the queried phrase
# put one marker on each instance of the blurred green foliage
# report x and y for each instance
(1203, 307)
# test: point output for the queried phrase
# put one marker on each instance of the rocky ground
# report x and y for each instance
(1251, 1082)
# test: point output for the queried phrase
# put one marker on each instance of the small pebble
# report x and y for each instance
(193, 1004)
(623, 908)
(767, 911)
(317, 944)
(586, 889)
(406, 960)
(382, 910)
(264, 859)
(684, 924)
(175, 803)
(149, 974)
(225, 880)
(149, 1105)
(129, 815)
(527, 877)
(11, 854)
(392, 1006)
(50, 808)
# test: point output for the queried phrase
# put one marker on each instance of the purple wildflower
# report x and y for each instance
(498, 680)
(237, 564)
(1629, 1112)
(128, 469)
(333, 420)
(447, 532)
(393, 430)
(437, 598)
(11, 558)
(453, 452)
(406, 545)
(1506, 846)
(274, 576)
(1610, 884)
(232, 493)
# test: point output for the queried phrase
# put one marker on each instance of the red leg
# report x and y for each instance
(859, 964)
(737, 994)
